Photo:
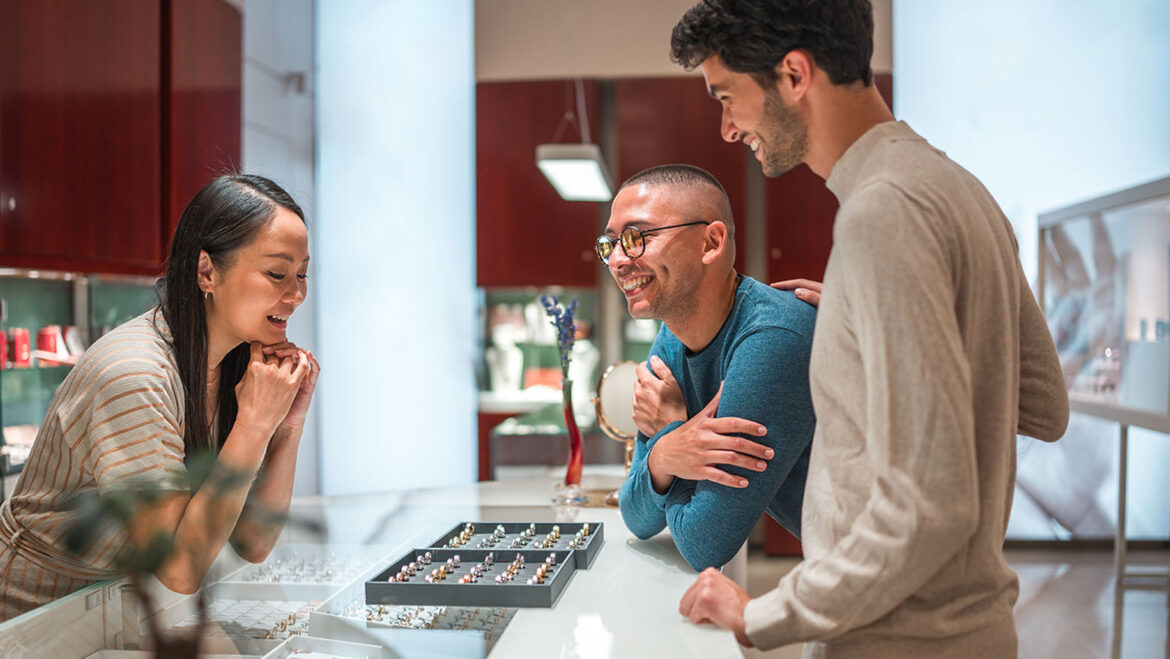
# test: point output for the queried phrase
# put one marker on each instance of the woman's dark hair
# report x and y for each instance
(753, 36)
(223, 217)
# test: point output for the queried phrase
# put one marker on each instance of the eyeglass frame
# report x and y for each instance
(603, 239)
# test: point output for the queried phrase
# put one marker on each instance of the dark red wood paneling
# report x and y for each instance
(80, 160)
(487, 421)
(526, 235)
(203, 110)
(800, 212)
(885, 85)
(673, 120)
(778, 541)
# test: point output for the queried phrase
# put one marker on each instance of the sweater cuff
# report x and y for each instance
(765, 622)
(659, 500)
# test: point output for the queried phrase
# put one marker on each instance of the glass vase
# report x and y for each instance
(569, 492)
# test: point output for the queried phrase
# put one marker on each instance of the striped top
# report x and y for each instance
(117, 416)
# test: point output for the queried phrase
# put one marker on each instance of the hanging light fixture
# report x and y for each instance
(577, 171)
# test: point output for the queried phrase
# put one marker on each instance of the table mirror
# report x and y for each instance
(615, 409)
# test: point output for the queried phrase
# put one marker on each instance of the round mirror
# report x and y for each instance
(615, 409)
(615, 401)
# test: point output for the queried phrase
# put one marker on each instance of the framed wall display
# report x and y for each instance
(1105, 289)
(1104, 286)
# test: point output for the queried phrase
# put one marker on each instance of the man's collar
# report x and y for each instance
(845, 172)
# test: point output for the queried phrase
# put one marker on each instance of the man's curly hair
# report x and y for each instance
(753, 36)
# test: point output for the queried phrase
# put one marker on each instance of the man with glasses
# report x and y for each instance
(930, 353)
(723, 406)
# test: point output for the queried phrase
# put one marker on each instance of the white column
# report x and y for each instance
(395, 261)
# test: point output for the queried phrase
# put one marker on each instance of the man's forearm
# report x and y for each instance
(643, 510)
(660, 478)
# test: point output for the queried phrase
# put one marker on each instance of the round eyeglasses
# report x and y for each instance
(632, 240)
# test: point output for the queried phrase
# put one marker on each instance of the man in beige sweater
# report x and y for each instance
(929, 353)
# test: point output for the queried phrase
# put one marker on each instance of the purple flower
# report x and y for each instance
(561, 318)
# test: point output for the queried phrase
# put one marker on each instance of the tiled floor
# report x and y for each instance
(1066, 608)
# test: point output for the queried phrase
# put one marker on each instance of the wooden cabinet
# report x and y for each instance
(112, 115)
(80, 138)
(203, 100)
(800, 212)
(673, 120)
(526, 235)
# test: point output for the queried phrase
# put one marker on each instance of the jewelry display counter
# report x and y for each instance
(309, 597)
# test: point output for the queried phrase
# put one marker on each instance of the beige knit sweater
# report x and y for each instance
(929, 354)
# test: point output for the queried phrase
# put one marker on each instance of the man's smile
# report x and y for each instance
(634, 284)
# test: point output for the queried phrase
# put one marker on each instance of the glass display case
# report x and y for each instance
(519, 344)
(115, 299)
(310, 594)
(47, 319)
(36, 311)
(520, 349)
(1105, 289)
(520, 416)
(1104, 285)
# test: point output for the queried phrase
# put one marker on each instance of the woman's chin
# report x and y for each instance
(273, 338)
(267, 337)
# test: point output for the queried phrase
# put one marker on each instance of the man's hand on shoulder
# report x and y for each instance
(805, 289)
(658, 399)
(694, 449)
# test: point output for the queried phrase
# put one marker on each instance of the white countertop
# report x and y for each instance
(624, 605)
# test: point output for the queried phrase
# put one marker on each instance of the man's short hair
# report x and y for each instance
(753, 36)
(685, 176)
(675, 174)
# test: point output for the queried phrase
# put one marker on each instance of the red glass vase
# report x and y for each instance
(576, 446)
(569, 492)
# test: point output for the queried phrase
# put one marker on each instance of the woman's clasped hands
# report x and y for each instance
(277, 386)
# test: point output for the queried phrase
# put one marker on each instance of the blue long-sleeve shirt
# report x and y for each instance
(761, 356)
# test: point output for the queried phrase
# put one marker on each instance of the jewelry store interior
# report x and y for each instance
(456, 480)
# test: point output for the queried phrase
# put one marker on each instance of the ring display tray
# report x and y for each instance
(527, 535)
(311, 647)
(486, 591)
(300, 572)
(490, 621)
(239, 621)
(410, 630)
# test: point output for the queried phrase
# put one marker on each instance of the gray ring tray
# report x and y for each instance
(583, 554)
(485, 592)
(575, 545)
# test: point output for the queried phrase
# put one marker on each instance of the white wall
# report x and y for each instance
(278, 144)
(1049, 102)
(534, 39)
(395, 259)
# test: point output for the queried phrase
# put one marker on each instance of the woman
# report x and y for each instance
(209, 369)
